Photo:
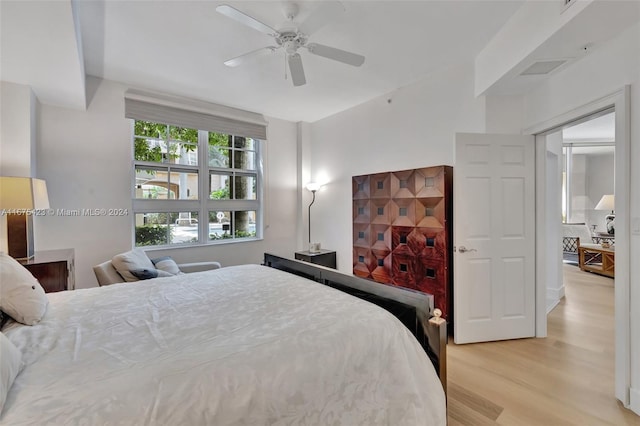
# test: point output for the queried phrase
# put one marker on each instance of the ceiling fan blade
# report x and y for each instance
(239, 60)
(245, 19)
(336, 54)
(296, 69)
(323, 14)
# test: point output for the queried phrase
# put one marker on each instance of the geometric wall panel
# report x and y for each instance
(402, 231)
(363, 262)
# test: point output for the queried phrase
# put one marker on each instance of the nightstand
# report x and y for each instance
(54, 269)
(324, 257)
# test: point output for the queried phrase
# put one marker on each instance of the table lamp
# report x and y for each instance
(607, 203)
(19, 197)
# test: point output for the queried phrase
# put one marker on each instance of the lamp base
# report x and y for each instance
(314, 247)
(20, 236)
(611, 223)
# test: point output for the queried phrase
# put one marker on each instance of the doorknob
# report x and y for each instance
(463, 249)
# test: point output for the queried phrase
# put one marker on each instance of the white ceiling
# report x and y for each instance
(178, 47)
(39, 47)
(591, 134)
(597, 130)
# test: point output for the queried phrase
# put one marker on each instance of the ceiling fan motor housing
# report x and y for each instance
(291, 41)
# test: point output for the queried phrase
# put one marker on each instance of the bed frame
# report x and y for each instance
(414, 309)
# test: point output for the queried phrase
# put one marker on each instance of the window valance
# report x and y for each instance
(193, 114)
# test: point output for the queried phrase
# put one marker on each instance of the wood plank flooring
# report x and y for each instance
(564, 379)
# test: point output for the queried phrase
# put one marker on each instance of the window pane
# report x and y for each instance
(219, 153)
(245, 160)
(184, 228)
(153, 150)
(219, 186)
(184, 153)
(152, 229)
(151, 130)
(250, 144)
(244, 187)
(219, 225)
(155, 229)
(183, 145)
(152, 183)
(244, 224)
(183, 134)
(183, 185)
(227, 225)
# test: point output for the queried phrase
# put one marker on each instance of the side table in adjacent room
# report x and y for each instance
(54, 269)
(599, 260)
(323, 257)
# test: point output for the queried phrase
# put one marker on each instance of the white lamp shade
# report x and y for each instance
(23, 193)
(313, 186)
(606, 203)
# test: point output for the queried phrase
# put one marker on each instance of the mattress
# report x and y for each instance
(241, 345)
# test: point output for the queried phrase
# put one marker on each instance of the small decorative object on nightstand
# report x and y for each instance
(323, 257)
(54, 269)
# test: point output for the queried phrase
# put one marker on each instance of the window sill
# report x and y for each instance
(195, 245)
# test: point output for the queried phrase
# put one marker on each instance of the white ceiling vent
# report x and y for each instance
(543, 67)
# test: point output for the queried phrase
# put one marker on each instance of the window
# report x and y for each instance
(193, 186)
(197, 172)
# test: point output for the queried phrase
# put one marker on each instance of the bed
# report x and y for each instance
(241, 345)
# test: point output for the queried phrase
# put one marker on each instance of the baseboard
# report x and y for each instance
(634, 400)
(551, 303)
(553, 297)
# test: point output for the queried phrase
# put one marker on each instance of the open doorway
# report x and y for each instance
(548, 224)
(587, 196)
(580, 168)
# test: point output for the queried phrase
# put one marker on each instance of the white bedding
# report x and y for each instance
(243, 345)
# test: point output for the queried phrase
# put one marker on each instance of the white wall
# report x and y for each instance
(553, 203)
(86, 158)
(411, 127)
(18, 134)
(606, 70)
(17, 130)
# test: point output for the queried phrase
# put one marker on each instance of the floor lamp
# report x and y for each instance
(19, 197)
(313, 187)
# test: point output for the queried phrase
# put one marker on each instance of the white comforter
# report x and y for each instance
(244, 345)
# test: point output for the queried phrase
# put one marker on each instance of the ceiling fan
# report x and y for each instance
(292, 37)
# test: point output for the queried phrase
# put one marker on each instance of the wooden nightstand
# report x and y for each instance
(54, 269)
(324, 257)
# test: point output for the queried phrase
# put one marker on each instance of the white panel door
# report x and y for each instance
(494, 227)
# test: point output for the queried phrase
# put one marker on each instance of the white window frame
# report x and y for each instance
(203, 204)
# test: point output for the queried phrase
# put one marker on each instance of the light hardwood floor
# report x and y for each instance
(564, 379)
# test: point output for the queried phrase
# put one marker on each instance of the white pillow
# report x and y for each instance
(21, 295)
(167, 264)
(10, 366)
(134, 260)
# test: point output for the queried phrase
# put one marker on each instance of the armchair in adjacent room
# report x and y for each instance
(574, 236)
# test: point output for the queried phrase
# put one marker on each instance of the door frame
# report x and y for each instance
(620, 102)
